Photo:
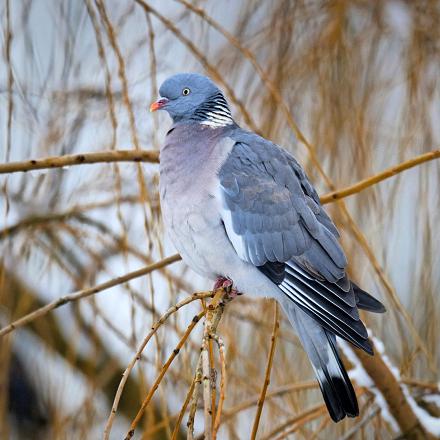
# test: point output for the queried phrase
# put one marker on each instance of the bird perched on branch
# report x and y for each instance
(241, 211)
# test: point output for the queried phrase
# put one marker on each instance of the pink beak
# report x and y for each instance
(158, 104)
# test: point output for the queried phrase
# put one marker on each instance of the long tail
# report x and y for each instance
(320, 346)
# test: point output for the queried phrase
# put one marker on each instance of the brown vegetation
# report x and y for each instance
(355, 82)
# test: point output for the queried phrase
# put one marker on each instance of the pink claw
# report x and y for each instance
(227, 284)
(219, 282)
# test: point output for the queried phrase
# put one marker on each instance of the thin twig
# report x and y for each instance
(304, 419)
(314, 411)
(154, 328)
(323, 424)
(121, 71)
(8, 44)
(212, 377)
(143, 191)
(372, 180)
(206, 381)
(84, 293)
(80, 159)
(435, 387)
(214, 313)
(353, 431)
(233, 411)
(194, 399)
(108, 76)
(185, 405)
(75, 212)
(273, 339)
(164, 369)
(221, 349)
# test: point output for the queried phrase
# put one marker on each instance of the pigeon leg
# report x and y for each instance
(226, 283)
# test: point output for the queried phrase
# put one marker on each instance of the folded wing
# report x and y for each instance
(274, 219)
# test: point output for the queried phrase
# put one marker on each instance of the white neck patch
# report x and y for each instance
(214, 119)
(214, 112)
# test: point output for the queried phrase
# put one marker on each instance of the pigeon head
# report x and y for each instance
(193, 97)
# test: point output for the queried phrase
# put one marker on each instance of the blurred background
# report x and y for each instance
(349, 87)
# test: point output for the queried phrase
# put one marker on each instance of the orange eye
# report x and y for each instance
(186, 91)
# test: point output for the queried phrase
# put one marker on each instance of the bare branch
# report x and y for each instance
(372, 180)
(84, 293)
(80, 159)
(153, 157)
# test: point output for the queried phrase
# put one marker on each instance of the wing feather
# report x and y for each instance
(274, 219)
(269, 203)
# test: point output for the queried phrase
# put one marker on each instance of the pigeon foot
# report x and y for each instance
(227, 284)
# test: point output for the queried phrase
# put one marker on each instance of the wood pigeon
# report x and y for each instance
(241, 211)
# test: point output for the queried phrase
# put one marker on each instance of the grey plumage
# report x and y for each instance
(238, 206)
(260, 179)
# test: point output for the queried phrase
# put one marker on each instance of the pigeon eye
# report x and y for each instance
(186, 91)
